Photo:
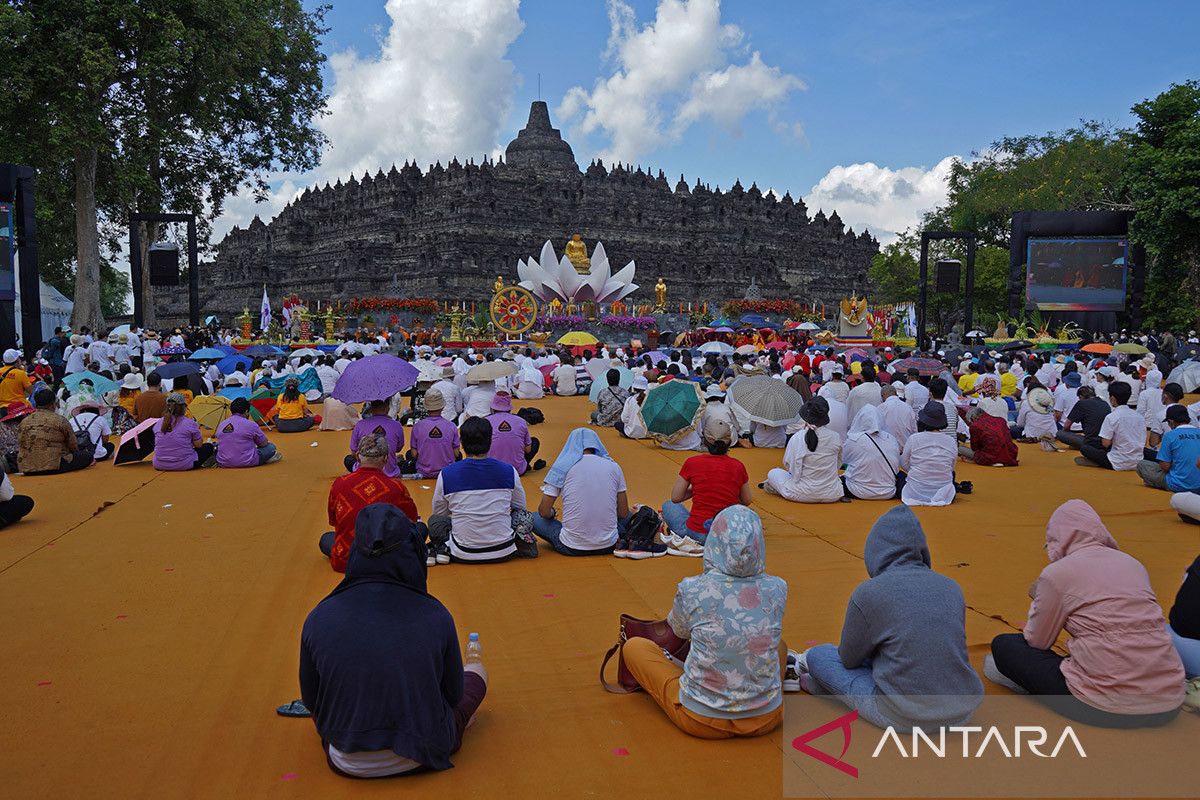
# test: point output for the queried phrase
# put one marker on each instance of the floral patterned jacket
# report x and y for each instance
(733, 615)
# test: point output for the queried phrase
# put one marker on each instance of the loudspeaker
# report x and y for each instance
(947, 275)
(164, 264)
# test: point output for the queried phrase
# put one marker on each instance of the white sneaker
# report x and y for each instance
(683, 546)
(993, 674)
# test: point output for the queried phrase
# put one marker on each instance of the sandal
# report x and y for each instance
(296, 708)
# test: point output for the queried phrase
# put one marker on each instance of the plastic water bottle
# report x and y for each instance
(474, 651)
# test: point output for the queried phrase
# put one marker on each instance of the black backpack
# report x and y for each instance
(532, 416)
(643, 525)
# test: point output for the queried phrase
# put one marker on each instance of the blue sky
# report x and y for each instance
(890, 89)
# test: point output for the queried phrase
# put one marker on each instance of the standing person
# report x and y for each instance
(1122, 670)
(240, 442)
(15, 383)
(45, 442)
(152, 403)
(377, 421)
(811, 460)
(902, 660)
(713, 482)
(928, 459)
(55, 353)
(872, 456)
(511, 442)
(732, 613)
(380, 668)
(1122, 435)
(1175, 466)
(595, 507)
(434, 439)
(350, 494)
(75, 356)
(479, 511)
(178, 443)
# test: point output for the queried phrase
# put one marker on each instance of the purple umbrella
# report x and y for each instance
(374, 378)
(174, 350)
(656, 356)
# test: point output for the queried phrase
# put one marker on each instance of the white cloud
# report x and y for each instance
(670, 74)
(886, 201)
(439, 87)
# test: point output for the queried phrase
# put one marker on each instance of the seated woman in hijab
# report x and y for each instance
(530, 381)
(1122, 670)
(991, 440)
(872, 459)
(731, 684)
(811, 460)
(380, 668)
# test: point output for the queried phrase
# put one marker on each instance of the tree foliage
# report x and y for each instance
(181, 103)
(1163, 181)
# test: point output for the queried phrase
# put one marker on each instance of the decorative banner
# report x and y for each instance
(8, 275)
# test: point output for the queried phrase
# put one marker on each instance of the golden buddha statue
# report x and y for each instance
(660, 295)
(498, 285)
(576, 252)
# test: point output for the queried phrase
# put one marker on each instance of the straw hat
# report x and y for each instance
(434, 400)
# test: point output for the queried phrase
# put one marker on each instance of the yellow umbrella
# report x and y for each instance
(210, 410)
(578, 338)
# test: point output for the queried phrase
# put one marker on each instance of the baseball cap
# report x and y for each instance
(11, 355)
(717, 430)
(1178, 413)
(640, 383)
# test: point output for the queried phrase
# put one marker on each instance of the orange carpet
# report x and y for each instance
(151, 624)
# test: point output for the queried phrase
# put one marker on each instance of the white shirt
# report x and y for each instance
(589, 502)
(453, 397)
(329, 376)
(341, 364)
(827, 369)
(1065, 399)
(839, 418)
(97, 428)
(916, 395)
(871, 470)
(101, 353)
(898, 419)
(866, 393)
(768, 435)
(564, 379)
(75, 359)
(477, 399)
(1036, 425)
(928, 458)
(1127, 430)
(810, 476)
(631, 419)
(835, 390)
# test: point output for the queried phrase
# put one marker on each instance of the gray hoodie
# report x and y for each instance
(909, 623)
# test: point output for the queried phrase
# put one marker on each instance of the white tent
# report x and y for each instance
(56, 310)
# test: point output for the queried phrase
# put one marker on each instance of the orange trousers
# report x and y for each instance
(659, 677)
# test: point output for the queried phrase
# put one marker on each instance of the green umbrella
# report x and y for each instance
(1130, 347)
(672, 409)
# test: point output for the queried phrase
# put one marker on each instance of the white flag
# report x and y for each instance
(264, 315)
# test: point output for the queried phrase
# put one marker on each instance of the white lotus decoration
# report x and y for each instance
(552, 278)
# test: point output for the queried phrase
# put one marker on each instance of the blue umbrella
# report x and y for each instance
(230, 364)
(753, 319)
(262, 350)
(101, 384)
(234, 392)
(177, 369)
(599, 386)
(226, 349)
(207, 354)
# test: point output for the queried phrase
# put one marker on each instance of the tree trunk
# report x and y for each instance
(87, 309)
(150, 233)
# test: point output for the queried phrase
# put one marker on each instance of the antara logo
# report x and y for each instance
(1023, 739)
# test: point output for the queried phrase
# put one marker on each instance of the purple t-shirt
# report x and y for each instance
(390, 428)
(238, 440)
(510, 437)
(435, 439)
(175, 449)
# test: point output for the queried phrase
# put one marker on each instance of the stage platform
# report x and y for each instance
(151, 625)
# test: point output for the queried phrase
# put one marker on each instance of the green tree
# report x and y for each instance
(1163, 180)
(1078, 169)
(174, 105)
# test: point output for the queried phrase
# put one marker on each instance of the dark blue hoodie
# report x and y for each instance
(380, 667)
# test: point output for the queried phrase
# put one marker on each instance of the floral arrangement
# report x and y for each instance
(421, 305)
(778, 307)
(627, 323)
(698, 318)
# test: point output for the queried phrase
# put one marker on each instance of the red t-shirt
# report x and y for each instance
(716, 485)
(351, 494)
